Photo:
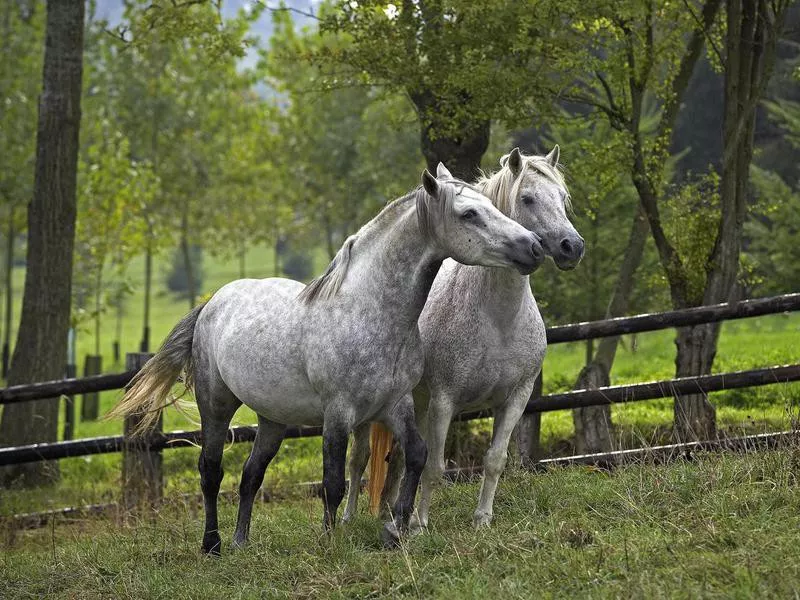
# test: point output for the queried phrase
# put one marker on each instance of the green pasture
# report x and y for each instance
(743, 344)
(723, 526)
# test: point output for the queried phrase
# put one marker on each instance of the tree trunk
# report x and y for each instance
(9, 292)
(694, 415)
(753, 29)
(460, 152)
(593, 425)
(148, 284)
(41, 348)
(187, 261)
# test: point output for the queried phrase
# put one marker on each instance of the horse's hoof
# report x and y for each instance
(415, 526)
(238, 543)
(212, 544)
(481, 519)
(390, 536)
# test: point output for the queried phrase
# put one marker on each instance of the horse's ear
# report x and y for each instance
(442, 172)
(515, 161)
(552, 156)
(430, 184)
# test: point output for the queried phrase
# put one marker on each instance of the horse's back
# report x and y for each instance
(251, 331)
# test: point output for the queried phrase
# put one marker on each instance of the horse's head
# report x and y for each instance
(539, 199)
(466, 226)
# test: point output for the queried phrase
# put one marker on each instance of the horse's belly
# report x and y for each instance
(296, 408)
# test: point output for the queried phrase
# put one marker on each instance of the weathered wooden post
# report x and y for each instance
(529, 430)
(90, 407)
(142, 475)
(69, 401)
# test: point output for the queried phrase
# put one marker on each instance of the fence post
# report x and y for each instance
(69, 406)
(529, 429)
(90, 407)
(142, 475)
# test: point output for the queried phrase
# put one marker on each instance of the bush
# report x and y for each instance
(177, 279)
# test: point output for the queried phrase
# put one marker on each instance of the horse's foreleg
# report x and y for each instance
(265, 447)
(404, 427)
(335, 431)
(494, 461)
(359, 455)
(440, 414)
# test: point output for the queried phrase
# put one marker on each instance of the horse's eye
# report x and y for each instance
(469, 214)
(527, 200)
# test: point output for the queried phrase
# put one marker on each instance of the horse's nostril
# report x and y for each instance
(566, 246)
(537, 251)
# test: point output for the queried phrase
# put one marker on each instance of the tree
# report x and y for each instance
(21, 37)
(652, 50)
(40, 352)
(113, 189)
(461, 63)
(348, 150)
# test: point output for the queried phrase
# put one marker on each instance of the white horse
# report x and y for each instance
(341, 352)
(482, 334)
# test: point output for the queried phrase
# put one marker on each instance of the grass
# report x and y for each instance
(723, 526)
(743, 344)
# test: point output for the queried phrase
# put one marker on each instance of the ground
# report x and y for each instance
(721, 526)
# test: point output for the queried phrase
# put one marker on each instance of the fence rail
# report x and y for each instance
(551, 402)
(555, 335)
(146, 452)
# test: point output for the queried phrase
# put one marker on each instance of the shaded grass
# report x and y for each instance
(724, 526)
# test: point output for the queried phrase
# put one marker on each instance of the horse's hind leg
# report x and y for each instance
(401, 422)
(494, 461)
(359, 455)
(268, 441)
(216, 404)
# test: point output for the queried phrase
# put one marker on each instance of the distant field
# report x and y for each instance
(743, 344)
(719, 527)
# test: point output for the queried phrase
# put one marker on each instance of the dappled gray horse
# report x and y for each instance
(341, 352)
(482, 334)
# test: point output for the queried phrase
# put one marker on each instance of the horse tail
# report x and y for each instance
(148, 391)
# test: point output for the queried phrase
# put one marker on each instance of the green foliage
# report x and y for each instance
(21, 57)
(604, 205)
(459, 61)
(773, 233)
(346, 150)
(691, 217)
(177, 279)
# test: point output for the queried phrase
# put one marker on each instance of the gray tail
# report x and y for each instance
(148, 392)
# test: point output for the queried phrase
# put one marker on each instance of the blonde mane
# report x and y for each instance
(502, 187)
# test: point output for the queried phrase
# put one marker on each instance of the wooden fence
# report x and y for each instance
(142, 473)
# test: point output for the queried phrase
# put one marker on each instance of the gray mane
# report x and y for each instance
(429, 214)
(326, 285)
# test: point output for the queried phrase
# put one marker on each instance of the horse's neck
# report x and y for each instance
(393, 270)
(499, 291)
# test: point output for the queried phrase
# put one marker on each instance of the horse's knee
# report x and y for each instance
(494, 461)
